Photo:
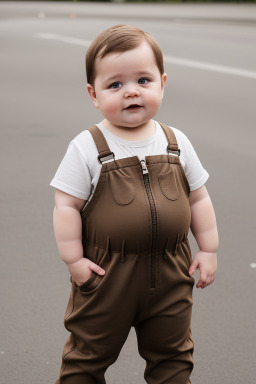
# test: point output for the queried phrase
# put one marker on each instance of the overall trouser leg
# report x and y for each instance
(164, 333)
(99, 317)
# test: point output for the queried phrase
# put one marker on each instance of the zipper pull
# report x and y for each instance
(144, 167)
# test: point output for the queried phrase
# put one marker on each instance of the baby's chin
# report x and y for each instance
(137, 123)
(126, 125)
(133, 126)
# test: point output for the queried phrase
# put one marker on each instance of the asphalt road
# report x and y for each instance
(210, 96)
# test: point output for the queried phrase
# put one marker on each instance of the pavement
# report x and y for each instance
(210, 96)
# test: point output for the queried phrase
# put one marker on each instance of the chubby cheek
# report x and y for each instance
(154, 102)
(110, 106)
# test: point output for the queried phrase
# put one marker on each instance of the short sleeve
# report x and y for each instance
(73, 175)
(195, 173)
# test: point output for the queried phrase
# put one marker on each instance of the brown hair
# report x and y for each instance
(119, 38)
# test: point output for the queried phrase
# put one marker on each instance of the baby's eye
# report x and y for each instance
(143, 80)
(115, 85)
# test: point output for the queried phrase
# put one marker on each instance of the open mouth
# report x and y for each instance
(133, 106)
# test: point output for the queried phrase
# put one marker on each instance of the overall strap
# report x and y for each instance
(172, 147)
(105, 153)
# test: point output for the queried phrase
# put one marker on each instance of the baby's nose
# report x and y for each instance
(131, 91)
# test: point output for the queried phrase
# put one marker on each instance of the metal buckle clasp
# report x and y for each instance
(172, 152)
(106, 159)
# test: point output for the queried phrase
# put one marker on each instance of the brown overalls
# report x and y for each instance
(135, 227)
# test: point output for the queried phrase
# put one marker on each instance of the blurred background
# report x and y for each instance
(209, 52)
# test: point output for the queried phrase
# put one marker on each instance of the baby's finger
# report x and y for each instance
(96, 268)
(203, 280)
(193, 268)
(206, 283)
(209, 281)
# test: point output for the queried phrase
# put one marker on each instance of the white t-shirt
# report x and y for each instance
(79, 170)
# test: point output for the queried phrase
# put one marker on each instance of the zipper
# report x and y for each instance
(144, 167)
(154, 223)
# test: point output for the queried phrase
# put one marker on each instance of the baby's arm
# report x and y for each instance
(68, 233)
(204, 229)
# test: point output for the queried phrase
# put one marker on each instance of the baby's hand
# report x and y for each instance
(206, 262)
(82, 270)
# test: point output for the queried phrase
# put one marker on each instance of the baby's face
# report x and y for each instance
(128, 87)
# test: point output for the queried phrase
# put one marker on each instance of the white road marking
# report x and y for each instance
(253, 265)
(211, 67)
(41, 15)
(171, 60)
(64, 39)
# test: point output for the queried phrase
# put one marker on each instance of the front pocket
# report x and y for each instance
(89, 284)
(168, 183)
(122, 187)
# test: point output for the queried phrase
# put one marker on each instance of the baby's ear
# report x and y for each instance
(92, 94)
(163, 80)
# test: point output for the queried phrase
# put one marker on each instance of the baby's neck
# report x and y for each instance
(140, 133)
